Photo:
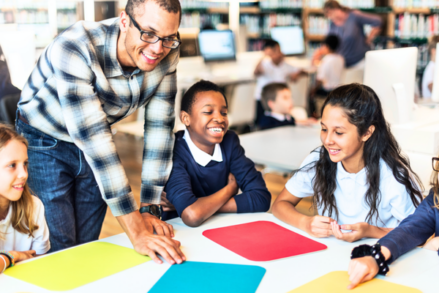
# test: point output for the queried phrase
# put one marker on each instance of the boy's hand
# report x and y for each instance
(319, 226)
(361, 270)
(22, 255)
(359, 230)
(433, 244)
(166, 204)
(233, 184)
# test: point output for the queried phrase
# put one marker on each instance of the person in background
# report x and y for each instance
(9, 94)
(359, 179)
(272, 68)
(329, 71)
(278, 104)
(414, 231)
(23, 229)
(209, 164)
(427, 78)
(91, 76)
(348, 25)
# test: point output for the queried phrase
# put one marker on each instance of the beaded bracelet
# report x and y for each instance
(9, 256)
(375, 252)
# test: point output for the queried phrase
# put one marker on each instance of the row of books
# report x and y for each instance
(318, 25)
(193, 4)
(272, 4)
(32, 16)
(200, 20)
(348, 3)
(416, 3)
(416, 25)
(66, 19)
(6, 17)
(257, 24)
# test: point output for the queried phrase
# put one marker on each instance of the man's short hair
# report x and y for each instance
(332, 42)
(188, 99)
(269, 93)
(270, 44)
(171, 6)
(432, 44)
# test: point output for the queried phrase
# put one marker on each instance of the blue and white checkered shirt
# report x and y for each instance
(78, 89)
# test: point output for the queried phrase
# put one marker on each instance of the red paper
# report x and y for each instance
(262, 241)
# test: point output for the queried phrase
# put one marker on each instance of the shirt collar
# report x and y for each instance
(112, 66)
(6, 221)
(277, 116)
(202, 158)
(359, 177)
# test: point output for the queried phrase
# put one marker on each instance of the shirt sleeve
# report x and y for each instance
(87, 123)
(40, 241)
(366, 18)
(159, 137)
(401, 203)
(322, 70)
(179, 188)
(413, 231)
(255, 196)
(301, 183)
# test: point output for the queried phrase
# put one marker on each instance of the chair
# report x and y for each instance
(242, 105)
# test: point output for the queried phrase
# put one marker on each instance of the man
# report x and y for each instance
(89, 77)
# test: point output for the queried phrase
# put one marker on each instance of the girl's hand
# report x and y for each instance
(22, 255)
(361, 270)
(319, 226)
(359, 230)
(433, 244)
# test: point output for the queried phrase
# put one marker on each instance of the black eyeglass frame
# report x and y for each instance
(158, 38)
(433, 161)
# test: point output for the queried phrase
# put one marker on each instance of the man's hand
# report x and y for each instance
(361, 269)
(146, 243)
(359, 230)
(153, 223)
(166, 204)
(319, 226)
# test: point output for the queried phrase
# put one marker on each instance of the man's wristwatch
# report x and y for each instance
(153, 209)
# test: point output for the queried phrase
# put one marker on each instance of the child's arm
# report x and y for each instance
(259, 70)
(18, 256)
(359, 231)
(255, 196)
(204, 207)
(284, 208)
(432, 244)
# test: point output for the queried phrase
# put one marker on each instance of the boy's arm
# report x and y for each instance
(255, 196)
(259, 70)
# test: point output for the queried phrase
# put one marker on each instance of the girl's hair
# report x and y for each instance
(22, 209)
(363, 109)
(334, 4)
(435, 185)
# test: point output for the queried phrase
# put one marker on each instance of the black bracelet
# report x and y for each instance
(373, 251)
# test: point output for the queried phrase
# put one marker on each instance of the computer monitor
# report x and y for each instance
(217, 45)
(391, 73)
(435, 92)
(290, 39)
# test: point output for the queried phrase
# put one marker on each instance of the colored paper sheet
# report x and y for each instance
(202, 277)
(71, 268)
(262, 241)
(336, 282)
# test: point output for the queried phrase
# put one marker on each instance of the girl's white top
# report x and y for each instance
(350, 193)
(17, 241)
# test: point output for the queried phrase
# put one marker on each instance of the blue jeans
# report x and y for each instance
(63, 180)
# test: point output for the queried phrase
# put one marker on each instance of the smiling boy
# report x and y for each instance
(90, 77)
(209, 164)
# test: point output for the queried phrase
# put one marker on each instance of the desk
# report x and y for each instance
(281, 276)
(282, 148)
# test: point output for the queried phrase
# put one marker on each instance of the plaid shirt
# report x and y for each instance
(78, 89)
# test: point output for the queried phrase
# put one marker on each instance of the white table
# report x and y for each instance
(418, 268)
(282, 148)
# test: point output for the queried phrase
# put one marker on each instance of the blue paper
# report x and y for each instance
(209, 277)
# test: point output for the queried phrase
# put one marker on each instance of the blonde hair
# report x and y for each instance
(435, 185)
(22, 209)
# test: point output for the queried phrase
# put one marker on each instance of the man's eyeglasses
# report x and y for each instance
(171, 43)
(435, 162)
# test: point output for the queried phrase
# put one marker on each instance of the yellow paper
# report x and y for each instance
(336, 282)
(78, 266)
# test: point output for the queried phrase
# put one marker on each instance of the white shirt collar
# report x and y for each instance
(280, 117)
(201, 157)
(359, 177)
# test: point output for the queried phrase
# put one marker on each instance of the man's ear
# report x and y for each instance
(368, 133)
(185, 118)
(123, 22)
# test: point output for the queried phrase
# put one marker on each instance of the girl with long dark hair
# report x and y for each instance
(359, 179)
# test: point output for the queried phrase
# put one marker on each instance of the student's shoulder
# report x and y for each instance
(181, 148)
(230, 139)
(38, 206)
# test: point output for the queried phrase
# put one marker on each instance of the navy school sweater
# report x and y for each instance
(413, 230)
(267, 122)
(189, 180)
